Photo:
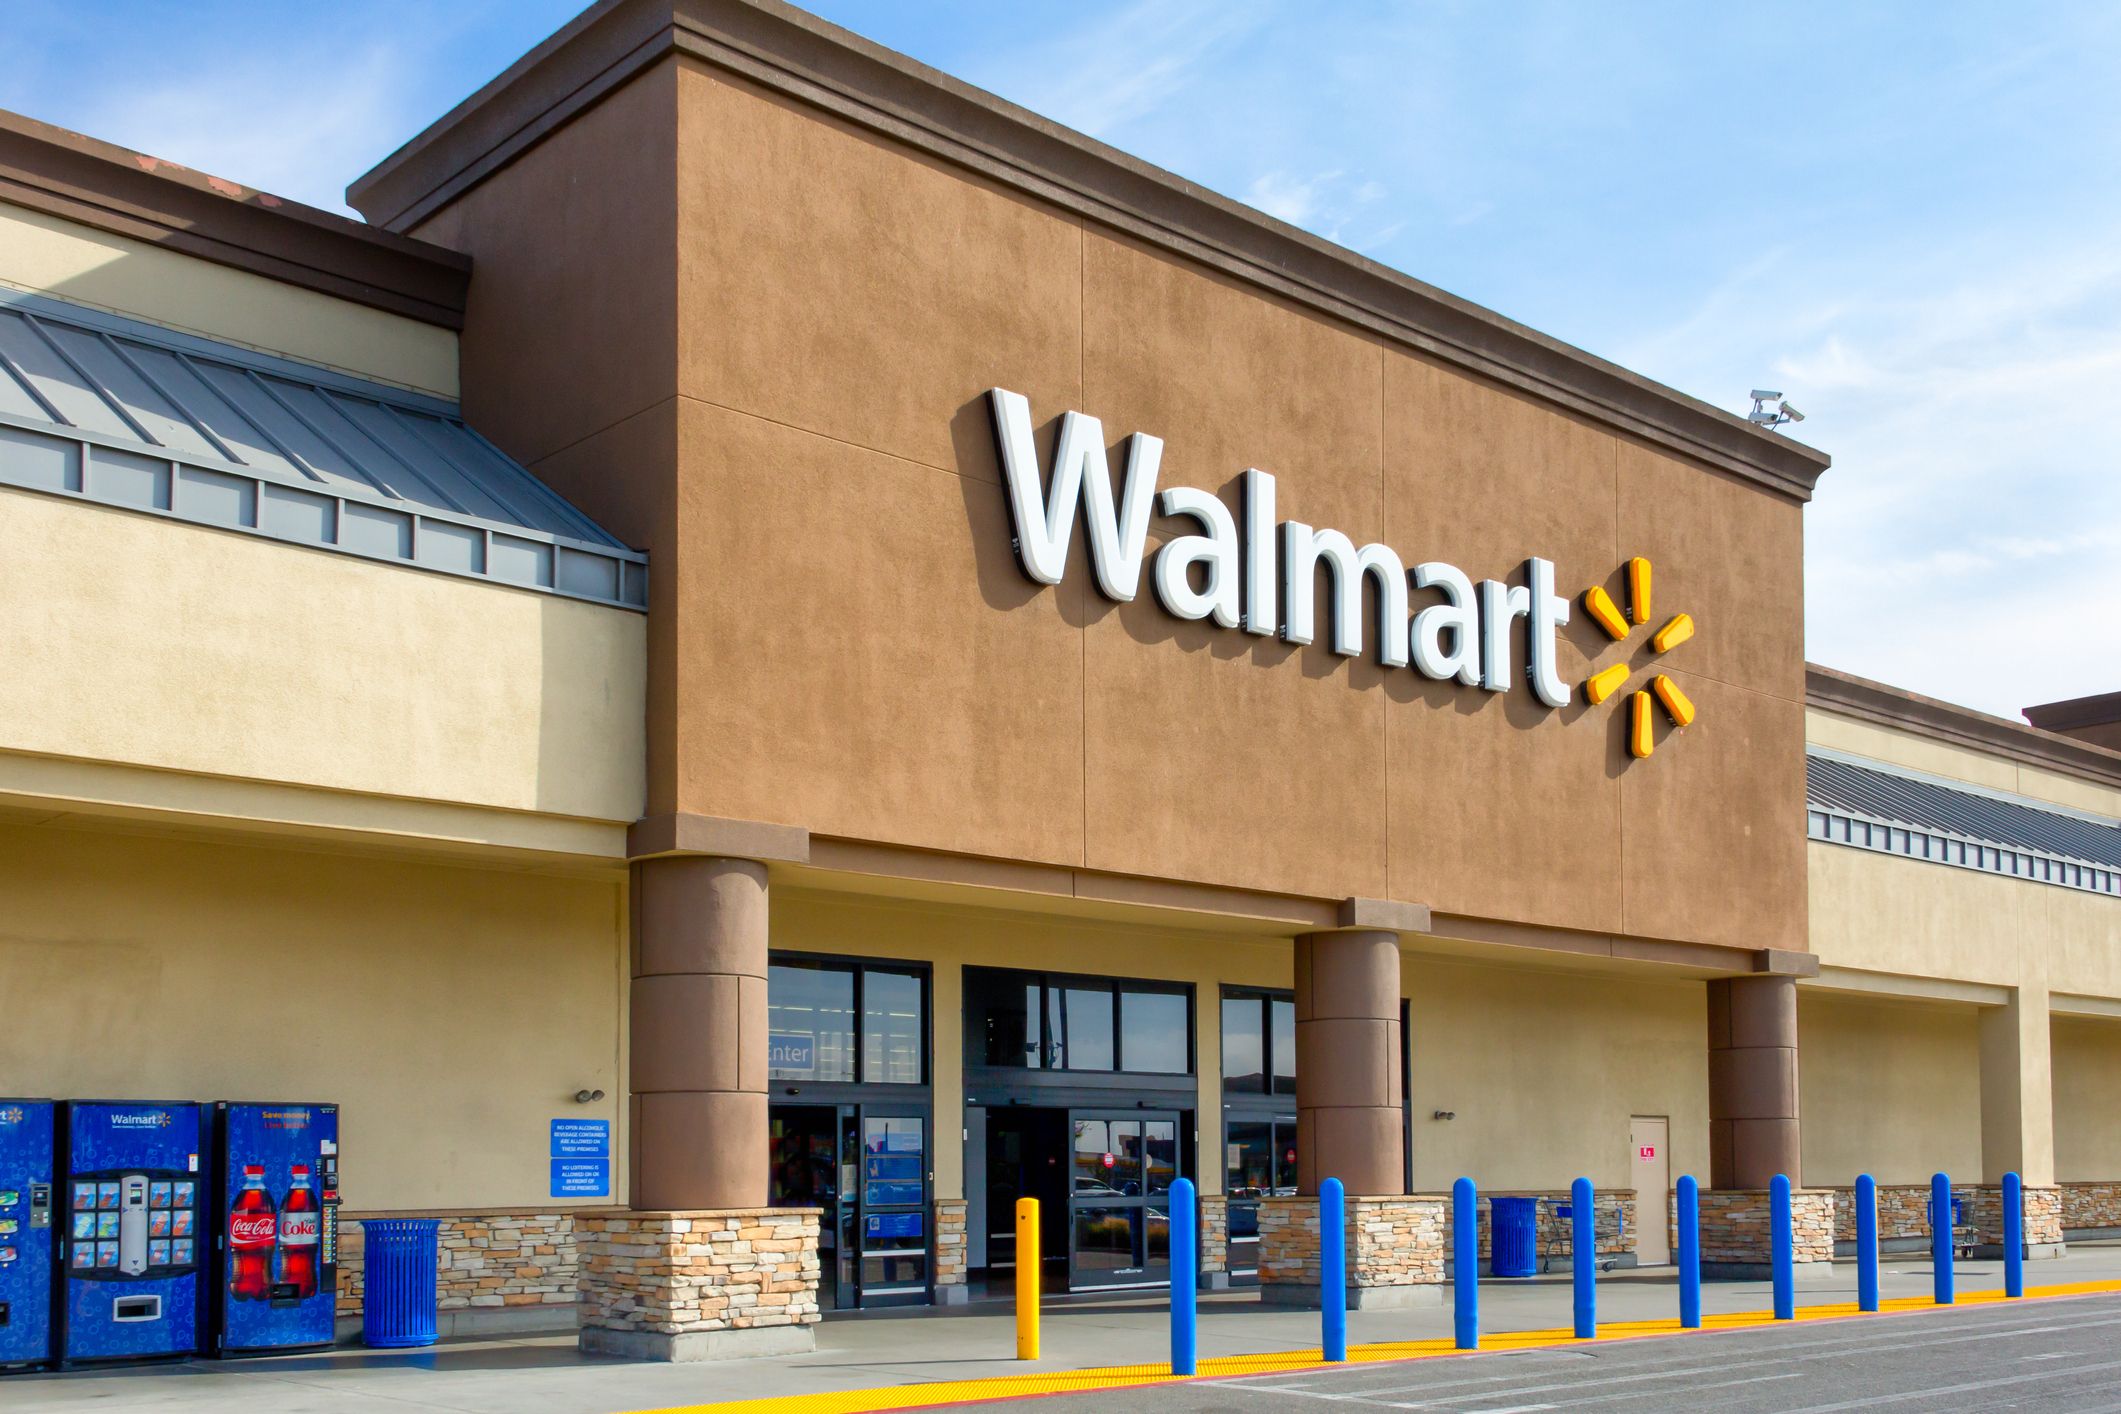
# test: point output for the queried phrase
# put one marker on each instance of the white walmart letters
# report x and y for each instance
(1266, 581)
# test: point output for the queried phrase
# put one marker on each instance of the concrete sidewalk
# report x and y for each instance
(547, 1376)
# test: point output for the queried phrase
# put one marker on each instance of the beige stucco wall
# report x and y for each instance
(2087, 1058)
(1884, 913)
(49, 255)
(130, 638)
(451, 1011)
(1888, 1088)
(1544, 1070)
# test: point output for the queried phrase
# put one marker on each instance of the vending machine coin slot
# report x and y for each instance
(40, 1205)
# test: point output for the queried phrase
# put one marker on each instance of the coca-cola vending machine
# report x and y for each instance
(276, 1179)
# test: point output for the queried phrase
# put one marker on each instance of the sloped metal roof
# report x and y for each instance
(1873, 806)
(112, 410)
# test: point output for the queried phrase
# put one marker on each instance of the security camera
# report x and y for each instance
(1791, 413)
(1762, 395)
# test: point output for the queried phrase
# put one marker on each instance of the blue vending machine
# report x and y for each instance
(26, 1173)
(276, 1189)
(133, 1220)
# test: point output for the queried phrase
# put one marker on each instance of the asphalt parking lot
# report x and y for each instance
(2063, 1356)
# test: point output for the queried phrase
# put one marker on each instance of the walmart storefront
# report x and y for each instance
(898, 658)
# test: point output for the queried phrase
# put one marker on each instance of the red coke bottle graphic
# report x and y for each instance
(300, 1227)
(252, 1231)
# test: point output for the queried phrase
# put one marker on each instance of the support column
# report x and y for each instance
(1753, 1133)
(699, 1034)
(699, 1267)
(1753, 1082)
(1350, 1124)
(2018, 1123)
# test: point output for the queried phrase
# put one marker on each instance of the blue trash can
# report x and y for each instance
(1515, 1250)
(398, 1282)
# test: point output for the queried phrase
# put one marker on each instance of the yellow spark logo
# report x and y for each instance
(1607, 681)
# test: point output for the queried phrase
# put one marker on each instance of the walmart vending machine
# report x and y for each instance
(27, 1159)
(131, 1248)
(276, 1186)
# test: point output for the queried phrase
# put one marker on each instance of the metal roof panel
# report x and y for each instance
(91, 403)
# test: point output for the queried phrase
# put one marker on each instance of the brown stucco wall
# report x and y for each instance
(805, 316)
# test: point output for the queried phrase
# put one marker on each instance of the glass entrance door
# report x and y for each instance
(893, 1232)
(1260, 1158)
(1121, 1167)
(813, 1167)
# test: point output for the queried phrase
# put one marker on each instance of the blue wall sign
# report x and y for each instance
(581, 1178)
(581, 1158)
(792, 1053)
(581, 1139)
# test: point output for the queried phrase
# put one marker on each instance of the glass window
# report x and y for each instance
(810, 1022)
(1085, 1029)
(1285, 1154)
(892, 1027)
(1249, 1159)
(1005, 1029)
(1153, 1033)
(1283, 1014)
(1244, 1046)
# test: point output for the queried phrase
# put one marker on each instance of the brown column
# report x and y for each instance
(1349, 1122)
(1753, 1082)
(699, 1034)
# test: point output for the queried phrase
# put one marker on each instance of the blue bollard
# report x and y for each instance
(1583, 1257)
(1785, 1262)
(1689, 1206)
(1333, 1267)
(1941, 1237)
(1866, 1243)
(1185, 1264)
(2013, 1235)
(1465, 1262)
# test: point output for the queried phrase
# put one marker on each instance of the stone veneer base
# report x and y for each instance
(687, 1346)
(703, 1285)
(1395, 1251)
(1736, 1237)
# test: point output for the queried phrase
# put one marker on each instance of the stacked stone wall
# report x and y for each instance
(951, 1253)
(2041, 1209)
(1214, 1234)
(2091, 1207)
(1737, 1227)
(488, 1261)
(1391, 1242)
(1612, 1216)
(1903, 1212)
(681, 1273)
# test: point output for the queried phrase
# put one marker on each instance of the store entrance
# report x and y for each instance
(865, 1167)
(1103, 1181)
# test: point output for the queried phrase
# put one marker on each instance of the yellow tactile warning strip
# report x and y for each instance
(1113, 1377)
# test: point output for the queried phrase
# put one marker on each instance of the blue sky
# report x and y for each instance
(1905, 216)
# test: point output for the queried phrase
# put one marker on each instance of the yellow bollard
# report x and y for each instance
(1028, 1271)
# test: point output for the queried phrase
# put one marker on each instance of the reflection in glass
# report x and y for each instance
(1005, 1024)
(1283, 1014)
(810, 1015)
(1153, 1032)
(1107, 1241)
(1285, 1154)
(1249, 1172)
(892, 1027)
(1159, 1155)
(1085, 1029)
(1244, 1046)
(1093, 1142)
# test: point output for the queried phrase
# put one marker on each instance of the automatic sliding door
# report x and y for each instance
(1121, 1169)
